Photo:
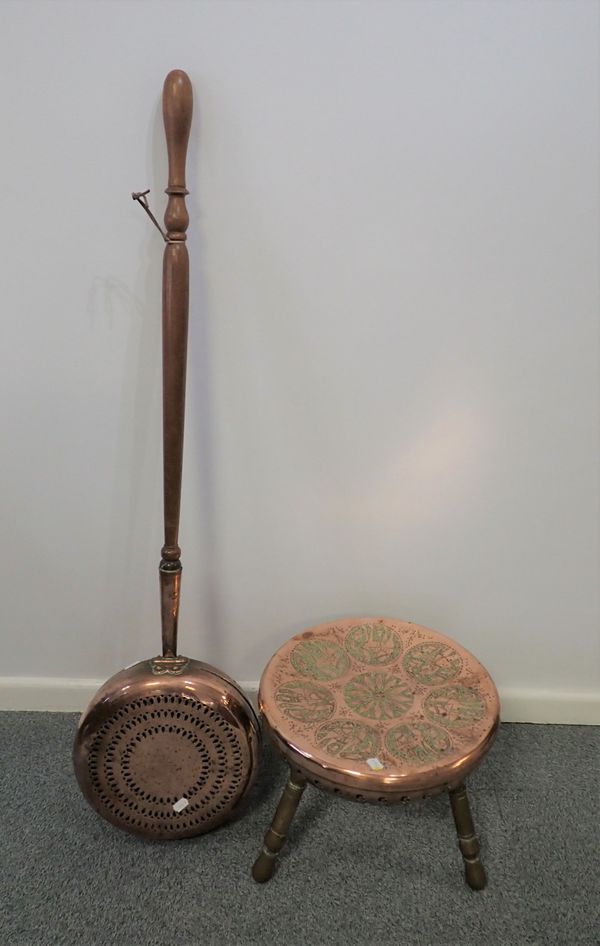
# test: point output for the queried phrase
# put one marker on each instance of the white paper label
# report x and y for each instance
(180, 805)
(375, 764)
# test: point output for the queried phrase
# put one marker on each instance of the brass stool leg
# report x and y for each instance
(467, 839)
(275, 836)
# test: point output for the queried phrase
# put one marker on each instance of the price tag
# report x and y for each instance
(375, 764)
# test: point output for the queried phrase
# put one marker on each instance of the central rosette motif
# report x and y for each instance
(378, 695)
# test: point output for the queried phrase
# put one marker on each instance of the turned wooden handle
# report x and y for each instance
(177, 114)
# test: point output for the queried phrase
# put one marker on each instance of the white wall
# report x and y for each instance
(393, 400)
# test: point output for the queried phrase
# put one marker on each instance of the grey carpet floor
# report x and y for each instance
(351, 874)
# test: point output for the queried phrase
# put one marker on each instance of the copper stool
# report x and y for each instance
(377, 710)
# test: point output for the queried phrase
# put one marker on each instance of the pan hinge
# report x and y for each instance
(168, 665)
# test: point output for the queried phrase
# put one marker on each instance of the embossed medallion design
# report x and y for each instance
(432, 662)
(373, 644)
(417, 743)
(455, 706)
(321, 660)
(411, 713)
(348, 739)
(378, 695)
(305, 702)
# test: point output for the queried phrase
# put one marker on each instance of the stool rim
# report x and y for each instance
(392, 787)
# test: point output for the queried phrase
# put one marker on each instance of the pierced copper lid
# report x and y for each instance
(167, 755)
(379, 705)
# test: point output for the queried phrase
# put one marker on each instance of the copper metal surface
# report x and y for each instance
(169, 747)
(149, 739)
(341, 699)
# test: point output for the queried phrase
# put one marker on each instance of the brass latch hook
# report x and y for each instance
(142, 200)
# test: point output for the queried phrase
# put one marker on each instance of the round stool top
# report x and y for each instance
(379, 705)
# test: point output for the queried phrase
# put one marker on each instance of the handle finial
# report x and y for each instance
(177, 116)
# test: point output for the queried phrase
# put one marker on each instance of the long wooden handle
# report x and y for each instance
(177, 115)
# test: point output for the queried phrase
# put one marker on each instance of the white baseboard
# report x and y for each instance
(550, 706)
(65, 695)
(46, 694)
(62, 694)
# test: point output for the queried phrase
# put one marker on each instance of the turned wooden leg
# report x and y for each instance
(275, 836)
(467, 839)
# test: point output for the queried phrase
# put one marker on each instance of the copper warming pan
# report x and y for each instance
(168, 747)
